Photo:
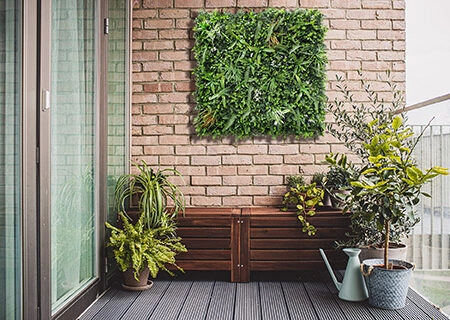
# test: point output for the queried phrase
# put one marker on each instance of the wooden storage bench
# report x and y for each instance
(258, 239)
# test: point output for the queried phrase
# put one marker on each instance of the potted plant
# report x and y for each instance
(305, 198)
(389, 186)
(337, 181)
(153, 190)
(140, 251)
(351, 127)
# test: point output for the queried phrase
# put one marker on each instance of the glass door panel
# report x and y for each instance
(73, 152)
(10, 212)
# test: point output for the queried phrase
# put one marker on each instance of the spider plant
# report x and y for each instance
(154, 191)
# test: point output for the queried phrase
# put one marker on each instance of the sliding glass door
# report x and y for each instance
(74, 135)
(10, 159)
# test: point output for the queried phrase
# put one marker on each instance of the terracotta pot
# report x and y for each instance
(395, 251)
(131, 283)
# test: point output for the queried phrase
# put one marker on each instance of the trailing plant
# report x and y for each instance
(389, 183)
(305, 198)
(260, 73)
(295, 180)
(137, 247)
(153, 189)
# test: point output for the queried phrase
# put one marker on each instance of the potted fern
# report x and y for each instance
(145, 240)
(140, 251)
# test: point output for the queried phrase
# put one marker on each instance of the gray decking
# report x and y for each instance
(193, 299)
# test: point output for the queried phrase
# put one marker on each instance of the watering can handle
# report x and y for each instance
(365, 274)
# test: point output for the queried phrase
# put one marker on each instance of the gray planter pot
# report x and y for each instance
(396, 253)
(387, 288)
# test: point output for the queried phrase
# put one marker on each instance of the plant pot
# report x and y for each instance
(130, 282)
(395, 252)
(387, 288)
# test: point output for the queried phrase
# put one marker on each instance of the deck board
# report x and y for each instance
(302, 297)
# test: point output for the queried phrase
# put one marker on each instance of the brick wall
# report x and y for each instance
(367, 35)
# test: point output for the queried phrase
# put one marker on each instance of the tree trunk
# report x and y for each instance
(386, 243)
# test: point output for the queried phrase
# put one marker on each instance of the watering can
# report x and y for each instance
(353, 287)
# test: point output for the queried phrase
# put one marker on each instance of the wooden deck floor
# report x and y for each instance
(308, 297)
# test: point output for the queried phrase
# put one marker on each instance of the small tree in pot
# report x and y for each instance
(388, 186)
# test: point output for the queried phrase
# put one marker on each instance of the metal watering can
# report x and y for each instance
(353, 287)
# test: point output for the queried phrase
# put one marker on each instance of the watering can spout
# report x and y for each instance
(330, 270)
(353, 287)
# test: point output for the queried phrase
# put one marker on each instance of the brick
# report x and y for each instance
(345, 44)
(253, 170)
(144, 98)
(184, 23)
(184, 44)
(221, 171)
(190, 150)
(344, 24)
(333, 13)
(174, 97)
(377, 4)
(173, 161)
(284, 169)
(344, 65)
(173, 119)
(158, 150)
(268, 180)
(175, 76)
(206, 181)
(399, 45)
(361, 55)
(362, 34)
(184, 86)
(173, 13)
(267, 201)
(391, 56)
(157, 130)
(252, 3)
(206, 201)
(157, 66)
(173, 140)
(237, 201)
(237, 180)
(180, 55)
(158, 87)
(158, 24)
(142, 13)
(144, 56)
(376, 24)
(314, 148)
(157, 108)
(150, 160)
(362, 14)
(391, 35)
(375, 65)
(334, 55)
(184, 65)
(157, 3)
(145, 34)
(252, 149)
(144, 140)
(221, 191)
(283, 149)
(237, 159)
(335, 34)
(159, 45)
(189, 3)
(206, 160)
(398, 25)
(315, 3)
(346, 4)
(391, 14)
(377, 45)
(137, 150)
(252, 190)
(299, 159)
(191, 171)
(221, 149)
(144, 120)
(267, 159)
(173, 34)
(220, 3)
(283, 3)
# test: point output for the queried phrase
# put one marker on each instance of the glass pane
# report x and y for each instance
(117, 96)
(73, 160)
(10, 219)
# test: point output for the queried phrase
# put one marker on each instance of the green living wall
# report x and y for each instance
(260, 74)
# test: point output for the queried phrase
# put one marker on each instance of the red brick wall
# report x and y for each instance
(367, 35)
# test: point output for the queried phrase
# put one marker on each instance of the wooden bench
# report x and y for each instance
(258, 239)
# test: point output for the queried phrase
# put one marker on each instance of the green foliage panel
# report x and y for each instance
(260, 73)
